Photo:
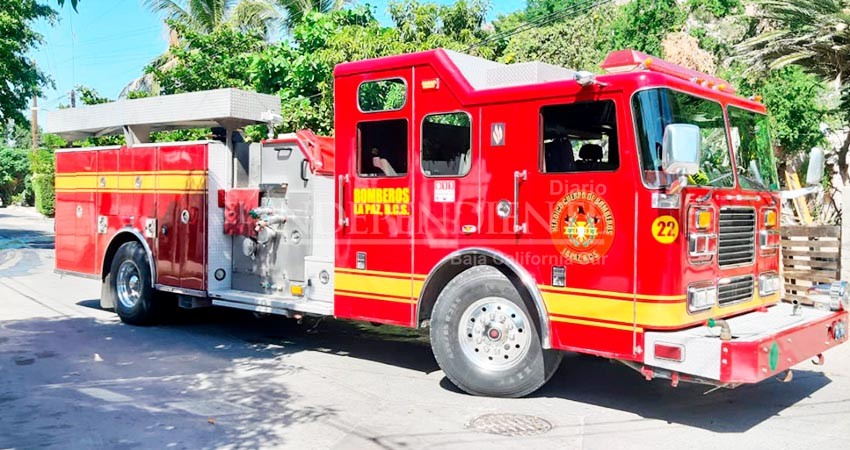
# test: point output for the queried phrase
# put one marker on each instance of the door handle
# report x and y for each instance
(343, 218)
(518, 178)
(304, 163)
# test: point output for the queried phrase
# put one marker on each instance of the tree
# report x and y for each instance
(297, 10)
(580, 42)
(643, 24)
(810, 34)
(21, 78)
(74, 3)
(202, 61)
(206, 16)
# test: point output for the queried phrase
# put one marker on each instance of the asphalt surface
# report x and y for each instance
(73, 377)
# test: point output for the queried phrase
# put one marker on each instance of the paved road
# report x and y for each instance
(72, 376)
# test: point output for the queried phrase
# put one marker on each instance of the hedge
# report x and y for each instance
(45, 197)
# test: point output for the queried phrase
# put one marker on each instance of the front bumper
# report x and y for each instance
(764, 343)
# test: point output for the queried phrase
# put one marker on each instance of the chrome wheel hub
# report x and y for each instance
(494, 334)
(128, 283)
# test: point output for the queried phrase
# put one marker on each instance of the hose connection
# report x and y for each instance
(725, 331)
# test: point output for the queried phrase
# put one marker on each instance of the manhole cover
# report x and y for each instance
(510, 424)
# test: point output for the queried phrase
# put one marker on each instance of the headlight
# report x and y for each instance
(768, 284)
(701, 298)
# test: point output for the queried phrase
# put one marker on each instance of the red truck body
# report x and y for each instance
(605, 259)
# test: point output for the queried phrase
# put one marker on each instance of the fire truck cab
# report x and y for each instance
(518, 211)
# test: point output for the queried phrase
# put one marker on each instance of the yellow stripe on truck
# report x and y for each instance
(151, 182)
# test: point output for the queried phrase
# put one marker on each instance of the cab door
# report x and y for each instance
(448, 200)
(374, 147)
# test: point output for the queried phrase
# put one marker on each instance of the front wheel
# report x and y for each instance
(129, 286)
(485, 339)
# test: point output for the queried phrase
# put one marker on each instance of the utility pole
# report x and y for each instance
(73, 98)
(34, 111)
(34, 123)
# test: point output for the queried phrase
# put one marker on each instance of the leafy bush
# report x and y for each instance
(45, 196)
(14, 170)
(43, 167)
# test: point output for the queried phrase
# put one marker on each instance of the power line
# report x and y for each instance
(541, 21)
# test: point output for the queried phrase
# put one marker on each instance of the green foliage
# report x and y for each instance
(717, 8)
(14, 171)
(74, 3)
(794, 101)
(208, 60)
(21, 80)
(42, 165)
(45, 195)
(536, 9)
(301, 71)
(643, 24)
(89, 96)
(579, 43)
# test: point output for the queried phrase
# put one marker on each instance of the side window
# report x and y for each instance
(382, 148)
(446, 145)
(382, 95)
(579, 137)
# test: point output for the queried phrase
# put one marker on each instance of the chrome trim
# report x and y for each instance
(525, 278)
(770, 274)
(519, 176)
(729, 280)
(701, 286)
(144, 243)
(764, 248)
(183, 291)
(754, 236)
(343, 218)
(694, 252)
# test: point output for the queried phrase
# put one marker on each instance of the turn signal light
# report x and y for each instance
(702, 219)
(296, 290)
(770, 218)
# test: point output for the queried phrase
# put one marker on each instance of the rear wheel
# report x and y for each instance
(129, 286)
(486, 340)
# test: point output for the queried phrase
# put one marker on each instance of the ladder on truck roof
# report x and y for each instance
(137, 118)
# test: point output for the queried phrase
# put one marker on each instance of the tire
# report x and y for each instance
(128, 285)
(501, 355)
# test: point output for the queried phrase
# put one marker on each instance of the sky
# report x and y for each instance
(107, 44)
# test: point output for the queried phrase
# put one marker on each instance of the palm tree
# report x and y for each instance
(814, 34)
(207, 16)
(296, 10)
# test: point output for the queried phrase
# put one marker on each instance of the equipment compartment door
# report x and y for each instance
(374, 145)
(181, 212)
(75, 212)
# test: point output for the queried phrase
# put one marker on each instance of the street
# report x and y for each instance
(72, 376)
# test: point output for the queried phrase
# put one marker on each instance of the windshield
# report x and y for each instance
(657, 108)
(753, 151)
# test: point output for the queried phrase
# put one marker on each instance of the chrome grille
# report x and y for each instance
(737, 236)
(739, 289)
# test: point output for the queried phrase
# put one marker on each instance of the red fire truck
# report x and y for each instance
(519, 211)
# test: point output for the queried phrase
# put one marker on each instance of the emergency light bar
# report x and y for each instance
(631, 60)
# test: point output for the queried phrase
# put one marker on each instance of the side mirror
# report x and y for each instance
(680, 150)
(814, 174)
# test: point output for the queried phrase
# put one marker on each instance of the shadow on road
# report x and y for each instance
(583, 379)
(17, 238)
(88, 383)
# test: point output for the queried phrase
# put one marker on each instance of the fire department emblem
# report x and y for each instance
(582, 227)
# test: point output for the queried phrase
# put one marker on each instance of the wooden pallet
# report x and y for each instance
(810, 255)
